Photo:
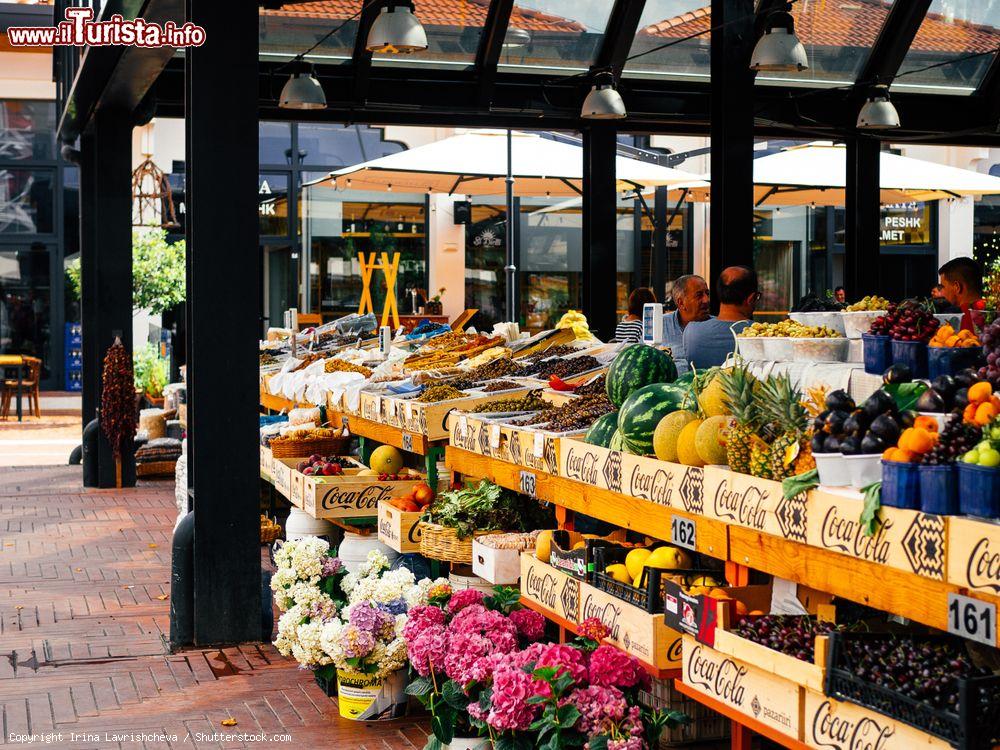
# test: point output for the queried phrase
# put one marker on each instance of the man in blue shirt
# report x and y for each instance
(708, 343)
(690, 294)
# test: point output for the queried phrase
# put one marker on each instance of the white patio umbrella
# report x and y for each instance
(817, 173)
(475, 163)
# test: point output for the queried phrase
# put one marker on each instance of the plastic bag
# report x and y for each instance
(298, 416)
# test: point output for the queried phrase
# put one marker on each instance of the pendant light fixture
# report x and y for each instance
(603, 102)
(878, 112)
(779, 49)
(396, 30)
(302, 90)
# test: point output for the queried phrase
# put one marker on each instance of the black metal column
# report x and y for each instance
(861, 243)
(659, 250)
(731, 212)
(106, 261)
(88, 278)
(223, 277)
(600, 252)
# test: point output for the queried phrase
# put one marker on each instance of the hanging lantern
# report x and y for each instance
(152, 201)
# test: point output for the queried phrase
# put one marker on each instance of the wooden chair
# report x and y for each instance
(29, 389)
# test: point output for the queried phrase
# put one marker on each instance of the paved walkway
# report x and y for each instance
(83, 619)
(39, 442)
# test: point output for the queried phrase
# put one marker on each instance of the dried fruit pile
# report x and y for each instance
(498, 368)
(577, 414)
(340, 365)
(500, 385)
(597, 385)
(440, 393)
(564, 368)
(532, 401)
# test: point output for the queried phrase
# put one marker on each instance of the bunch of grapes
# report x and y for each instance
(794, 635)
(926, 671)
(907, 321)
(957, 438)
(991, 348)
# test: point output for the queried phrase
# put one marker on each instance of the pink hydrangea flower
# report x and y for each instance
(593, 629)
(463, 650)
(476, 619)
(426, 650)
(356, 642)
(530, 625)
(600, 707)
(421, 617)
(462, 599)
(510, 708)
(569, 660)
(609, 666)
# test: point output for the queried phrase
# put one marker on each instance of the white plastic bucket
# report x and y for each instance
(468, 743)
(864, 469)
(832, 469)
(362, 697)
(859, 321)
(459, 582)
(353, 551)
(300, 524)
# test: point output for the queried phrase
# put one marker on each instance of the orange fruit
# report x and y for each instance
(720, 595)
(979, 392)
(985, 413)
(741, 608)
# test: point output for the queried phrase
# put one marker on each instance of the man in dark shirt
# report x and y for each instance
(708, 343)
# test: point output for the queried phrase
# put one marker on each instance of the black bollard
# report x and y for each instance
(182, 585)
(91, 436)
(266, 608)
(76, 456)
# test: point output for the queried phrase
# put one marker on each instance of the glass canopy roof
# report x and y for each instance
(565, 36)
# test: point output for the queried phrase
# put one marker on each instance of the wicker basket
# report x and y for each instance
(155, 468)
(442, 543)
(332, 446)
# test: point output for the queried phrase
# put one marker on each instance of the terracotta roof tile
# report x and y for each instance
(843, 23)
(463, 13)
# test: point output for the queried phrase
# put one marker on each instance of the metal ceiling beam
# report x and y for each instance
(361, 58)
(893, 42)
(491, 45)
(989, 91)
(618, 36)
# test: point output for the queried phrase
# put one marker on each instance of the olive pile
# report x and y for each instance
(563, 368)
(440, 393)
(594, 387)
(500, 385)
(497, 368)
(532, 401)
(577, 414)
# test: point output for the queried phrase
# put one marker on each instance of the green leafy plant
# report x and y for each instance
(486, 506)
(158, 270)
(150, 370)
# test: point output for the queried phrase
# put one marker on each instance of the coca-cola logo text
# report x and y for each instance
(847, 536)
(841, 733)
(608, 613)
(983, 568)
(365, 498)
(582, 466)
(745, 508)
(655, 486)
(541, 588)
(722, 678)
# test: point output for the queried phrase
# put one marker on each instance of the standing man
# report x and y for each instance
(709, 342)
(962, 282)
(690, 294)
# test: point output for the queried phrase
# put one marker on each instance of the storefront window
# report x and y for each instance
(550, 271)
(274, 143)
(986, 229)
(341, 145)
(26, 201)
(485, 257)
(25, 302)
(272, 204)
(905, 224)
(27, 130)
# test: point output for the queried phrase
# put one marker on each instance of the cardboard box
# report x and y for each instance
(398, 529)
(498, 566)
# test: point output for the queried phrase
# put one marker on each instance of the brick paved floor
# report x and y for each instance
(83, 620)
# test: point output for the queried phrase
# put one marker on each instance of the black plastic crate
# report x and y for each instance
(649, 596)
(975, 726)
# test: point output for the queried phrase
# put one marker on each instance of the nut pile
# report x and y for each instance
(577, 414)
(563, 368)
(594, 387)
(440, 393)
(500, 385)
(532, 401)
(340, 365)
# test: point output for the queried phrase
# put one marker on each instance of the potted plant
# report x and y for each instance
(152, 373)
(433, 305)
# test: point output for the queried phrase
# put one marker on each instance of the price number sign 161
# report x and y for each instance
(972, 618)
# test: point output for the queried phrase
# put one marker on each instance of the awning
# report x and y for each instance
(816, 173)
(476, 164)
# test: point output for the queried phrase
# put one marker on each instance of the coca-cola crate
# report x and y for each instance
(973, 725)
(649, 594)
(353, 495)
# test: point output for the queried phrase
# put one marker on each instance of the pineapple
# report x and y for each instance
(760, 457)
(738, 388)
(782, 405)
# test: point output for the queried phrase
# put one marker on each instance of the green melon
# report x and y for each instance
(635, 366)
(601, 432)
(617, 442)
(642, 412)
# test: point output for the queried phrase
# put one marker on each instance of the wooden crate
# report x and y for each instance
(347, 496)
(633, 630)
(397, 529)
(907, 540)
(265, 461)
(281, 476)
(747, 689)
(531, 448)
(830, 724)
(431, 419)
(370, 406)
(809, 674)
(758, 504)
(973, 554)
(552, 590)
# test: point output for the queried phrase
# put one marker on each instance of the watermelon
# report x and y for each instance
(635, 366)
(617, 442)
(643, 410)
(602, 430)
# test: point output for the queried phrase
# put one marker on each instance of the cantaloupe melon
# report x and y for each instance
(687, 451)
(710, 437)
(668, 431)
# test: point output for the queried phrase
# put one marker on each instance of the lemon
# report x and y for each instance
(668, 558)
(543, 545)
(635, 560)
(704, 582)
(619, 572)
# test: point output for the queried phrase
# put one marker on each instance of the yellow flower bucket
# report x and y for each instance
(365, 697)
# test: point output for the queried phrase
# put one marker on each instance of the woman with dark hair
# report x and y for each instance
(629, 330)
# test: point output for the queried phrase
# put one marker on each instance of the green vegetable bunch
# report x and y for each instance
(487, 507)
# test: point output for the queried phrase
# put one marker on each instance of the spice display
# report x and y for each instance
(532, 401)
(440, 393)
(597, 385)
(564, 368)
(573, 415)
(306, 359)
(496, 352)
(340, 365)
(500, 385)
(448, 349)
(118, 419)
